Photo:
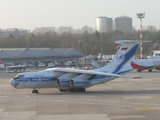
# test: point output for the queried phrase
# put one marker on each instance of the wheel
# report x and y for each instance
(150, 70)
(139, 70)
(36, 91)
(81, 89)
(72, 89)
(61, 90)
(33, 91)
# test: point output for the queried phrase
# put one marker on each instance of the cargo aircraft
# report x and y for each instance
(74, 80)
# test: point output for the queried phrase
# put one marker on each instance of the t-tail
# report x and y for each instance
(121, 62)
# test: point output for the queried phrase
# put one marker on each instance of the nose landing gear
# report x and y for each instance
(35, 91)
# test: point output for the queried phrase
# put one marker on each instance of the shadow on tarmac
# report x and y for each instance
(108, 92)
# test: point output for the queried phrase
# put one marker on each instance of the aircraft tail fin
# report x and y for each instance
(121, 62)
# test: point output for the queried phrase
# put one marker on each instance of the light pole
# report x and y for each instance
(79, 45)
(140, 16)
(28, 44)
(101, 46)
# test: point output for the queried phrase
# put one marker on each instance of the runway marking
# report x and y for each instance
(146, 108)
(129, 117)
(82, 101)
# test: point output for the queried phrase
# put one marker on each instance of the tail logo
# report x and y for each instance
(120, 57)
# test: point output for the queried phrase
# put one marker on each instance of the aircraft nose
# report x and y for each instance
(11, 82)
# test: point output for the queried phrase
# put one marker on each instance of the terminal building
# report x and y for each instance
(34, 56)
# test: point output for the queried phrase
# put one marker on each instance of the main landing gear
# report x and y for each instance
(74, 90)
(149, 70)
(139, 70)
(35, 91)
(78, 89)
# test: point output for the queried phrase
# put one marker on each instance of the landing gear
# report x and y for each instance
(77, 89)
(150, 70)
(61, 90)
(35, 91)
(139, 70)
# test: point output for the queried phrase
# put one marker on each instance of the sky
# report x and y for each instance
(29, 14)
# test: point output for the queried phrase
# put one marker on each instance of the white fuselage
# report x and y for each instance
(48, 79)
(148, 63)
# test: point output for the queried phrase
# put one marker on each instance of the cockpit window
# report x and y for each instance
(18, 76)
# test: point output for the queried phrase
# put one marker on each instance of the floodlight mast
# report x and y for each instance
(140, 16)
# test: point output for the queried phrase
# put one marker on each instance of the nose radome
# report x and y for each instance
(11, 82)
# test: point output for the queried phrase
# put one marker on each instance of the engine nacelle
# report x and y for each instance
(65, 79)
(79, 83)
(62, 81)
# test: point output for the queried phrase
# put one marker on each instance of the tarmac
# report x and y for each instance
(120, 99)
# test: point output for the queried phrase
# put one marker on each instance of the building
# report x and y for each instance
(156, 52)
(103, 24)
(15, 32)
(34, 56)
(123, 23)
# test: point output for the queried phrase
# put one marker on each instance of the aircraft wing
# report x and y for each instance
(92, 72)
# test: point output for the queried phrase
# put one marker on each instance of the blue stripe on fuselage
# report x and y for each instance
(128, 56)
(36, 79)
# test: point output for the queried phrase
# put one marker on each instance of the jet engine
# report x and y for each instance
(63, 81)
(79, 83)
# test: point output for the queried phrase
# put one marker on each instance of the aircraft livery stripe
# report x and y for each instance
(128, 56)
(36, 79)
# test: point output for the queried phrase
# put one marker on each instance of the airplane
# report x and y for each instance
(144, 64)
(1, 65)
(74, 80)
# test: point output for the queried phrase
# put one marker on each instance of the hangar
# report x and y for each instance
(34, 56)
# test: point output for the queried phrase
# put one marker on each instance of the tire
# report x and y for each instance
(139, 70)
(36, 91)
(150, 70)
(72, 90)
(62, 90)
(33, 91)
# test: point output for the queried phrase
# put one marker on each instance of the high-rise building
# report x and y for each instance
(103, 24)
(15, 32)
(123, 23)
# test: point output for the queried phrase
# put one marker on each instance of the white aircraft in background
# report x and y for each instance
(66, 79)
(144, 64)
(1, 65)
